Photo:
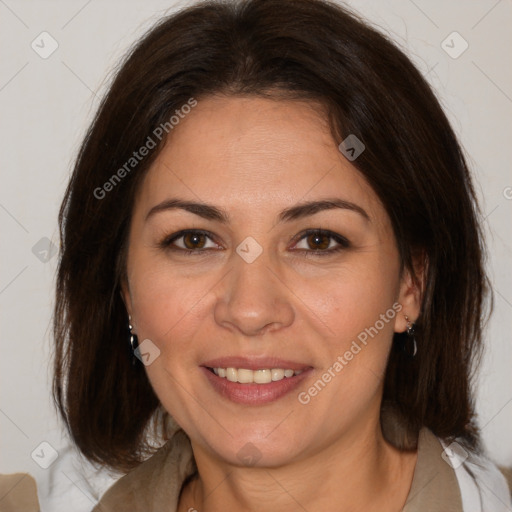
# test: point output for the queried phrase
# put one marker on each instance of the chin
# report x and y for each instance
(253, 450)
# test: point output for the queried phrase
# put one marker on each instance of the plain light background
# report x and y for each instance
(47, 104)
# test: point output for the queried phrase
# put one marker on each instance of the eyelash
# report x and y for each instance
(167, 242)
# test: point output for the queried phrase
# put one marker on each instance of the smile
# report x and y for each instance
(255, 387)
(246, 376)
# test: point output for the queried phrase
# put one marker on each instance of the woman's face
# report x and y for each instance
(255, 291)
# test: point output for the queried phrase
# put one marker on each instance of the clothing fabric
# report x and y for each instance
(444, 481)
(18, 493)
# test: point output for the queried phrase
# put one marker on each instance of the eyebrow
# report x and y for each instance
(299, 211)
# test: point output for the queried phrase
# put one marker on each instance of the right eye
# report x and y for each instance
(188, 241)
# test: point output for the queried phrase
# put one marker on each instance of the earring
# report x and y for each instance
(134, 341)
(410, 346)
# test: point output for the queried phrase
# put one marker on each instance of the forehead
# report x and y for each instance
(249, 152)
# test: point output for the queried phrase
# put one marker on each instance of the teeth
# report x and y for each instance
(245, 376)
(264, 376)
(231, 374)
(277, 374)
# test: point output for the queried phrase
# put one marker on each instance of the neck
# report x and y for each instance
(360, 471)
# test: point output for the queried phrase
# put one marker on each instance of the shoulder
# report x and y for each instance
(450, 477)
(482, 485)
(156, 483)
(18, 492)
(507, 473)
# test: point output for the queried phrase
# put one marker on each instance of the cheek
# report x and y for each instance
(359, 309)
(352, 300)
(163, 300)
(168, 310)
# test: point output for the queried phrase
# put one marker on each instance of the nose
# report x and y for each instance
(253, 299)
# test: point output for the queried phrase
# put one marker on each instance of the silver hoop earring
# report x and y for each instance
(410, 346)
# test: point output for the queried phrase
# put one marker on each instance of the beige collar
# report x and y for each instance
(434, 484)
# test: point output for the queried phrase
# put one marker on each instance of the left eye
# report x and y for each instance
(322, 241)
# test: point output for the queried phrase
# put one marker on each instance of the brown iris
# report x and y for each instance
(313, 241)
(194, 240)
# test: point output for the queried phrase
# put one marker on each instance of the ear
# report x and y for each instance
(410, 296)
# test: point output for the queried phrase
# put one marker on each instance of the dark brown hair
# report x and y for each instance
(280, 49)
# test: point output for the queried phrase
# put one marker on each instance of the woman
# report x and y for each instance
(272, 262)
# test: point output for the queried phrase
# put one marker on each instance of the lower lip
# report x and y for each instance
(254, 394)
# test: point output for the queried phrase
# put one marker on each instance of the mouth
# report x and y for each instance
(254, 381)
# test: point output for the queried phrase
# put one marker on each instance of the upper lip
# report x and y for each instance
(254, 363)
